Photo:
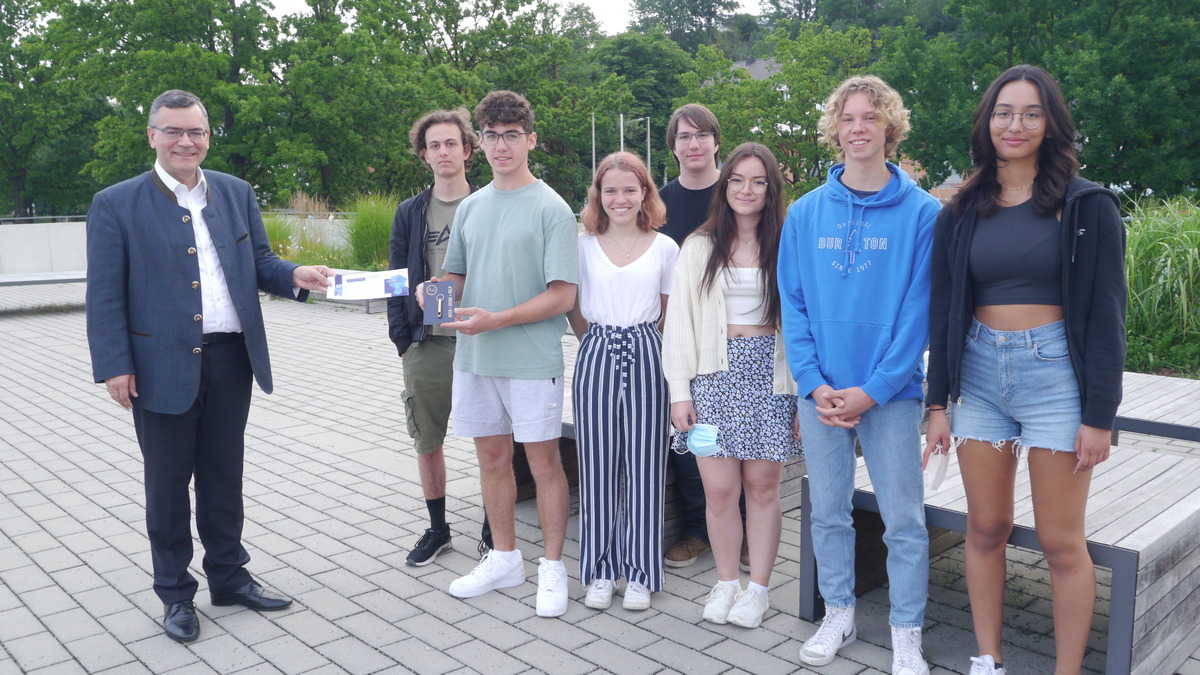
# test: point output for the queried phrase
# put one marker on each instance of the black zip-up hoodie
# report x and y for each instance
(1094, 289)
(406, 321)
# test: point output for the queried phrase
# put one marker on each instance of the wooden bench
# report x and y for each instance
(1143, 523)
(1160, 406)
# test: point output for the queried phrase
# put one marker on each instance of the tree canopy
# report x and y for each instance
(321, 100)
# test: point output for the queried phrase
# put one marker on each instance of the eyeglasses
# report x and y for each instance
(510, 137)
(1001, 119)
(757, 186)
(175, 133)
(702, 136)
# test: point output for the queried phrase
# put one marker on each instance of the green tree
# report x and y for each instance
(782, 111)
(690, 23)
(941, 87)
(45, 119)
(132, 50)
(651, 65)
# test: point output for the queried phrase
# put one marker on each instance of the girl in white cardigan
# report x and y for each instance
(726, 367)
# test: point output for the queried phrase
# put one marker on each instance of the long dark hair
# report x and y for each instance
(1056, 161)
(721, 226)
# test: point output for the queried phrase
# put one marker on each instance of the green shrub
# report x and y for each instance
(370, 229)
(279, 233)
(1162, 267)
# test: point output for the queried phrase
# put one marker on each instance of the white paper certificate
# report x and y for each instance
(352, 285)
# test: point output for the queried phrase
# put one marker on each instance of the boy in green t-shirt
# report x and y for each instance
(514, 261)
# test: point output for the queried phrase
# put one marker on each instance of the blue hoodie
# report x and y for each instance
(854, 282)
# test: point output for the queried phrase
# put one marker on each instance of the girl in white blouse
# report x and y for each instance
(619, 394)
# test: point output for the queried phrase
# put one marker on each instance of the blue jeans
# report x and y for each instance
(891, 443)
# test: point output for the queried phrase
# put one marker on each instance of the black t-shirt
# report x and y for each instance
(686, 209)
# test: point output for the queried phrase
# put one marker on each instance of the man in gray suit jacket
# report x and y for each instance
(176, 258)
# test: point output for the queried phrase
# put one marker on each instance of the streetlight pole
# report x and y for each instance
(647, 141)
(622, 132)
(593, 144)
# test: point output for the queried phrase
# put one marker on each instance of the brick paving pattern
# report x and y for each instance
(333, 503)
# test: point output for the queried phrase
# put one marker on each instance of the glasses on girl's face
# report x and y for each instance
(686, 138)
(1002, 119)
(757, 186)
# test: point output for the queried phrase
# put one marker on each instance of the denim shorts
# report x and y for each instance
(1017, 386)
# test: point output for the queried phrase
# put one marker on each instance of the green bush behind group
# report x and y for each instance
(319, 102)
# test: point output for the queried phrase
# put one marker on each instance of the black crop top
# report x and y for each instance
(1016, 258)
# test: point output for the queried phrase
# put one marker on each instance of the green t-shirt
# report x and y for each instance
(511, 244)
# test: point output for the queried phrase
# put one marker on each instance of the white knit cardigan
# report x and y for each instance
(694, 341)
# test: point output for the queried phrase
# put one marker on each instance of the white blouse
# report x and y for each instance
(624, 296)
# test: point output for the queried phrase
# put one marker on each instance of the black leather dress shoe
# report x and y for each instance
(180, 622)
(253, 596)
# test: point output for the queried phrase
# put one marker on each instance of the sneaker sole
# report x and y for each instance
(824, 662)
(636, 606)
(476, 592)
(711, 619)
(679, 563)
(597, 605)
(735, 621)
(421, 563)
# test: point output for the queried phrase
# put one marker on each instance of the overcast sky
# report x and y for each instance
(613, 15)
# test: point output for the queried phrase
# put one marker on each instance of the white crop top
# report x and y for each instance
(743, 291)
(624, 296)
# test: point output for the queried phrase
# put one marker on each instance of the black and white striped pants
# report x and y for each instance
(622, 429)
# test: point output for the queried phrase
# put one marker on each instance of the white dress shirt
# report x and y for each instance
(217, 310)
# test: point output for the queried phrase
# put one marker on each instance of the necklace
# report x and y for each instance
(1017, 188)
(627, 250)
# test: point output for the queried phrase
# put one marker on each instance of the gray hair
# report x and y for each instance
(175, 98)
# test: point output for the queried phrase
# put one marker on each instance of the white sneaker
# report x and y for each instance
(748, 609)
(637, 597)
(720, 601)
(985, 665)
(837, 630)
(599, 594)
(491, 573)
(906, 652)
(552, 588)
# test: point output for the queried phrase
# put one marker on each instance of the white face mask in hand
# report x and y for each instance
(935, 471)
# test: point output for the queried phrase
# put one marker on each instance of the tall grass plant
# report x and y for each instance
(369, 230)
(1162, 268)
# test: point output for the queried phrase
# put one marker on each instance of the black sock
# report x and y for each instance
(437, 513)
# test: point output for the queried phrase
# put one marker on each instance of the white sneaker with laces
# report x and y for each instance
(552, 588)
(637, 597)
(985, 665)
(491, 573)
(748, 609)
(720, 601)
(599, 594)
(836, 631)
(906, 652)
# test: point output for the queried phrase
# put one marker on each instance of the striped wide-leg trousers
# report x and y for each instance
(622, 431)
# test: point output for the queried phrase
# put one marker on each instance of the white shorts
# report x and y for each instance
(530, 410)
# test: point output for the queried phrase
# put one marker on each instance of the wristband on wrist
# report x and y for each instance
(940, 408)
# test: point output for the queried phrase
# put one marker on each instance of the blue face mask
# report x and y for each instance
(702, 440)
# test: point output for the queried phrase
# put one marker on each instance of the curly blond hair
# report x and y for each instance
(888, 106)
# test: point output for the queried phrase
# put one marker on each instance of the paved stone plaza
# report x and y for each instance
(333, 503)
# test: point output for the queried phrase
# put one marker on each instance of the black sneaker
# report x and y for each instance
(431, 544)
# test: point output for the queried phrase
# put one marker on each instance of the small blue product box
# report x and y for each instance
(439, 302)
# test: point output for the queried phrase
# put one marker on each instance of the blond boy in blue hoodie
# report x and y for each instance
(854, 282)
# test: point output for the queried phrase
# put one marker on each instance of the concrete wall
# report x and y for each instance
(30, 248)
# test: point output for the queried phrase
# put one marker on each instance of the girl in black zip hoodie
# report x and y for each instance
(1027, 348)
